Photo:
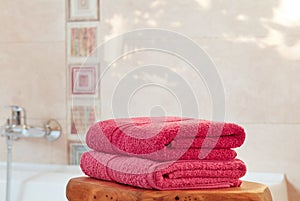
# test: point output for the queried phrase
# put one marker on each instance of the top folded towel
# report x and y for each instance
(146, 135)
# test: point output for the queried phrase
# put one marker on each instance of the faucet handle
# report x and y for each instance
(53, 130)
(18, 115)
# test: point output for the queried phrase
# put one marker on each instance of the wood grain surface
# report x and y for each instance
(88, 189)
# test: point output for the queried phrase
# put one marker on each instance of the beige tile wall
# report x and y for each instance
(33, 73)
(255, 46)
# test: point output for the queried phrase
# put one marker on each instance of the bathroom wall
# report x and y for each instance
(255, 46)
(33, 73)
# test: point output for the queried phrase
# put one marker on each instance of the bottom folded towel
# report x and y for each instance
(182, 174)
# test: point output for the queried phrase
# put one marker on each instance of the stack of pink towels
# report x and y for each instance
(165, 153)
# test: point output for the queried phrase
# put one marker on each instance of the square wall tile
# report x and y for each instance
(32, 21)
(35, 78)
(76, 150)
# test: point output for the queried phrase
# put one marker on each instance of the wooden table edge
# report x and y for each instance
(88, 189)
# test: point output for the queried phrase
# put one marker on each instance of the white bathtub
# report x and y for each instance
(34, 182)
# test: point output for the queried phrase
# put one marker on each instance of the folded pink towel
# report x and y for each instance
(194, 174)
(146, 135)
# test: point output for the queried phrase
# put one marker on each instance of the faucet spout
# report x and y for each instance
(34, 132)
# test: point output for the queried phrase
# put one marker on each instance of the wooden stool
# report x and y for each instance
(87, 189)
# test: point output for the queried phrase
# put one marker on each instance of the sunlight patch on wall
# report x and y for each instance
(246, 39)
(277, 40)
(242, 17)
(240, 39)
(274, 39)
(117, 23)
(152, 23)
(287, 13)
(205, 4)
(157, 3)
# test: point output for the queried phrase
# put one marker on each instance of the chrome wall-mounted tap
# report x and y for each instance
(17, 127)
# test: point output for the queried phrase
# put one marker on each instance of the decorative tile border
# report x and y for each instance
(76, 150)
(83, 10)
(82, 117)
(83, 36)
(82, 41)
(83, 79)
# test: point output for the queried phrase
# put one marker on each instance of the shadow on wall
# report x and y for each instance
(251, 42)
(265, 24)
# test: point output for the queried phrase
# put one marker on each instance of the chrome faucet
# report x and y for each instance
(16, 127)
